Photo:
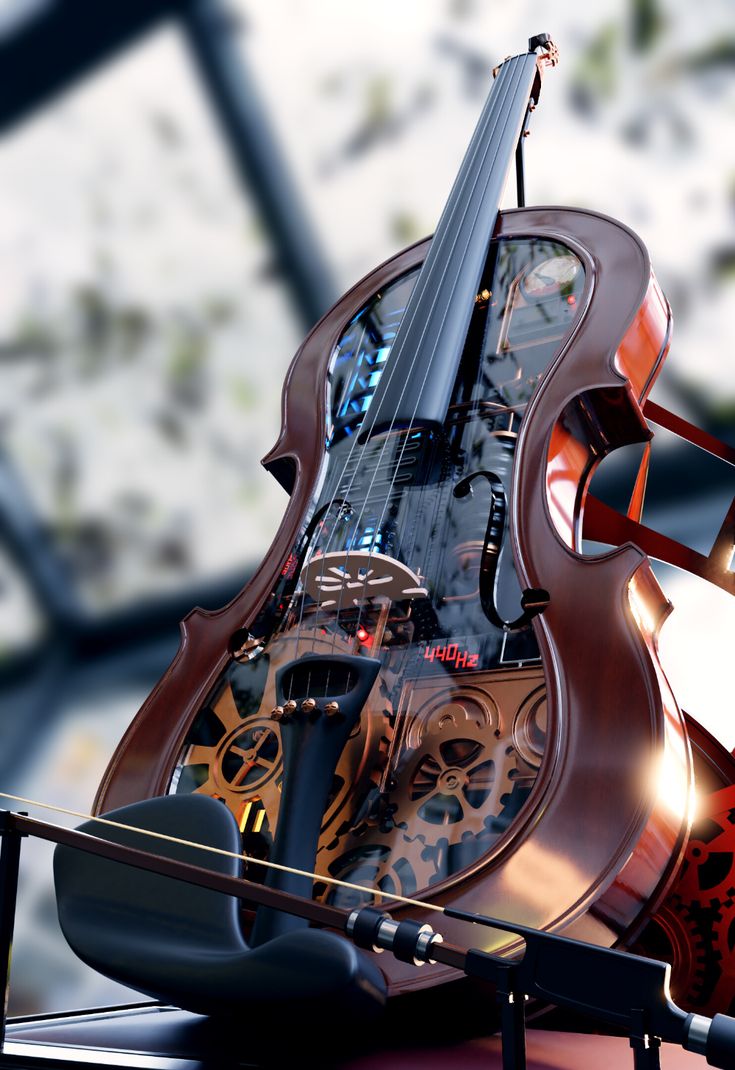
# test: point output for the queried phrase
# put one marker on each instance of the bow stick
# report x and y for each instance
(627, 991)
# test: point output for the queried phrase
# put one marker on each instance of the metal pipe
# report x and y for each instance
(257, 157)
(9, 867)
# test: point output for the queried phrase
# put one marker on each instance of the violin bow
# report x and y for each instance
(627, 991)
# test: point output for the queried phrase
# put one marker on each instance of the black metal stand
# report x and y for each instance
(256, 155)
(512, 1021)
(627, 992)
(646, 1047)
(9, 867)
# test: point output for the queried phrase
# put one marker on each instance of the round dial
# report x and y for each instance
(550, 277)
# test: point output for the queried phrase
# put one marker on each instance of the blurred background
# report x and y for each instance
(184, 189)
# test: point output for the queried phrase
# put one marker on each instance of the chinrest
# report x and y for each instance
(182, 944)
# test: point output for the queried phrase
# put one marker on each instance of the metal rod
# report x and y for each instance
(257, 157)
(657, 414)
(621, 989)
(646, 1053)
(646, 1047)
(512, 1020)
(520, 173)
(9, 867)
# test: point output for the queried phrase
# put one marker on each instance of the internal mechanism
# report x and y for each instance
(405, 559)
(461, 766)
(244, 768)
(453, 771)
(239, 757)
(695, 927)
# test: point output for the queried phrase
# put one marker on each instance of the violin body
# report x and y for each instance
(520, 753)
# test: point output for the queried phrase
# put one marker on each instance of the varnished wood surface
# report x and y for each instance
(596, 846)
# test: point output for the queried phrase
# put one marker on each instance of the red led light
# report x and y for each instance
(362, 635)
(571, 300)
(290, 567)
(452, 655)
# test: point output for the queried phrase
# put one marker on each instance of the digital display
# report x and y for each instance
(289, 568)
(452, 654)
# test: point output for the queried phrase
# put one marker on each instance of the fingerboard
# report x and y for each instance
(417, 384)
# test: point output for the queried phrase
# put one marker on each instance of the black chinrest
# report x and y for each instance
(182, 944)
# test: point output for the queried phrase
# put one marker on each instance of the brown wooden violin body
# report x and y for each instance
(534, 768)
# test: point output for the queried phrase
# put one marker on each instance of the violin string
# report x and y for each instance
(506, 87)
(395, 897)
(327, 512)
(511, 90)
(451, 208)
(479, 137)
(437, 266)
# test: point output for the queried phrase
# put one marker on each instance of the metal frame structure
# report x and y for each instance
(45, 47)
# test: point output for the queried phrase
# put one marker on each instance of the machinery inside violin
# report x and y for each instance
(429, 688)
(406, 559)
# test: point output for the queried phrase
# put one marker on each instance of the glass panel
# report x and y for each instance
(406, 559)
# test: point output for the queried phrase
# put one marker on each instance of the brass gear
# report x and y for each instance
(244, 767)
(373, 865)
(457, 768)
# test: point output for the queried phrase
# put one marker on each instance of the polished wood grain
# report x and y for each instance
(599, 840)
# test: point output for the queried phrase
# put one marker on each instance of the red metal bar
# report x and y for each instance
(657, 414)
(603, 524)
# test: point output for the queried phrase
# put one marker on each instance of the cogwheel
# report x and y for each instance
(695, 927)
(721, 935)
(373, 866)
(245, 765)
(681, 933)
(239, 758)
(455, 777)
(691, 957)
(708, 874)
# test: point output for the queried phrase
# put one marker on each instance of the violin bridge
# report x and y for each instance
(349, 577)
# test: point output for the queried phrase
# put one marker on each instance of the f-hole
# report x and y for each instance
(533, 600)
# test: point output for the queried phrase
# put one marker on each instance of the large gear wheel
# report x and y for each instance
(709, 872)
(698, 916)
(374, 866)
(456, 771)
(676, 935)
(235, 754)
(243, 767)
(463, 760)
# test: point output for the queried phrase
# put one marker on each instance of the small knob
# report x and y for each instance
(308, 705)
(331, 709)
(277, 713)
(289, 708)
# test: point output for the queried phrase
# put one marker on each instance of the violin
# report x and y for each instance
(428, 688)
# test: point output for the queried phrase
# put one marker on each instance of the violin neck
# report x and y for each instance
(416, 388)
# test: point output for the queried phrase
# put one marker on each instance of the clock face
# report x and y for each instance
(557, 274)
